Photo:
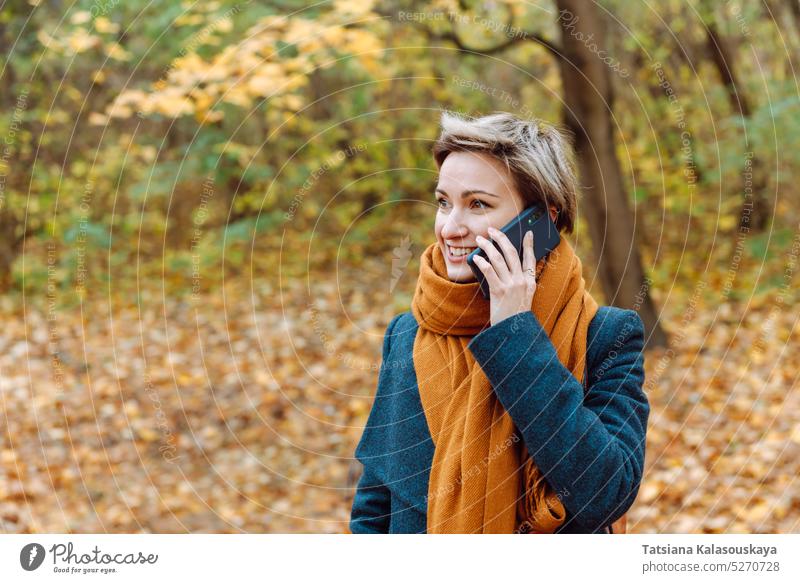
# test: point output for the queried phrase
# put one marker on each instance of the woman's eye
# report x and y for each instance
(482, 204)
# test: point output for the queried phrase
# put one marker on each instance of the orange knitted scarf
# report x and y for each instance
(482, 479)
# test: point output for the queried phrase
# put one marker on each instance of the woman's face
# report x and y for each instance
(475, 192)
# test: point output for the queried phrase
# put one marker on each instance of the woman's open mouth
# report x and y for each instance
(458, 254)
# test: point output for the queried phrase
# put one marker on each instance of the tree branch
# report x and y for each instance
(453, 37)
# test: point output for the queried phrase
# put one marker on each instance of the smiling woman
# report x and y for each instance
(498, 434)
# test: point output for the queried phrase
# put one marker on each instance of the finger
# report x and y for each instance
(488, 272)
(495, 258)
(528, 255)
(509, 251)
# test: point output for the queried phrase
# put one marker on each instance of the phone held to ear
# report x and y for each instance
(545, 239)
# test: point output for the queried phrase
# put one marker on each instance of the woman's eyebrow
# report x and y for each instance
(466, 193)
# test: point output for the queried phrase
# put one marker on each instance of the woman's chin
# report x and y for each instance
(460, 274)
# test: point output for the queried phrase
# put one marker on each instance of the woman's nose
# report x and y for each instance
(454, 227)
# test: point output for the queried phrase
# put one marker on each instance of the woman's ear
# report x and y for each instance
(553, 213)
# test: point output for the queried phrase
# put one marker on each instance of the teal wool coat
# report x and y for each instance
(588, 441)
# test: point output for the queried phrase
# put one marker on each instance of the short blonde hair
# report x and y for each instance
(536, 155)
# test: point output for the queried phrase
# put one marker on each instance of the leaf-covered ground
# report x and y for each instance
(239, 411)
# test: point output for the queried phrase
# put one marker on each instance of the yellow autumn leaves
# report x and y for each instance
(272, 62)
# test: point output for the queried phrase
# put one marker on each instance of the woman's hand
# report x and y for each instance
(511, 284)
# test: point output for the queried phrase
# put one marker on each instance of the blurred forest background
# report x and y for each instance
(209, 212)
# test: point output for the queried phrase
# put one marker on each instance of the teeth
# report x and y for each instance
(459, 251)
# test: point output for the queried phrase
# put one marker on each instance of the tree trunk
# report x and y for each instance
(757, 209)
(587, 113)
(794, 7)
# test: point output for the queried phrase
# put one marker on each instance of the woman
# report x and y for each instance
(481, 423)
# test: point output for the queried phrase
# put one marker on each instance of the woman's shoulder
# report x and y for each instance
(614, 332)
(401, 327)
(404, 319)
(610, 323)
(398, 342)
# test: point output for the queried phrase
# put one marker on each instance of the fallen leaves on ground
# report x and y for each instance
(240, 411)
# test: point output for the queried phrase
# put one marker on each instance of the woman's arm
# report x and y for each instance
(591, 453)
(372, 502)
(371, 505)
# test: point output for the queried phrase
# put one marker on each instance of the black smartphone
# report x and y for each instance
(545, 239)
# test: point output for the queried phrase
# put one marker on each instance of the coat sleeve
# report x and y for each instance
(371, 509)
(590, 451)
(371, 505)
